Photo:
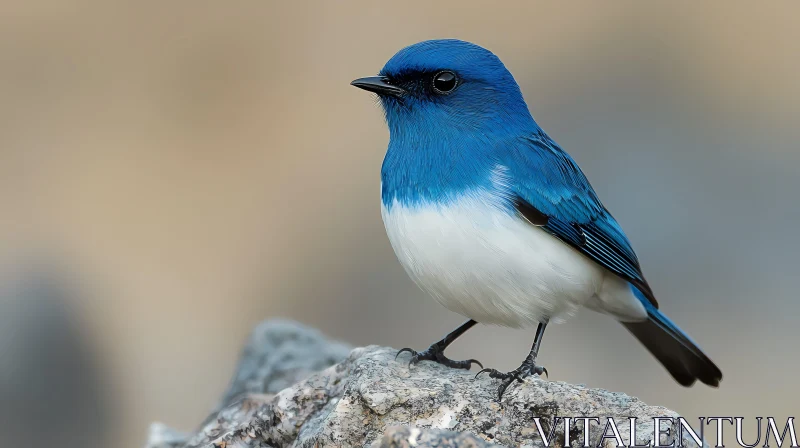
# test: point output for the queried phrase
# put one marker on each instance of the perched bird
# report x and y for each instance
(491, 217)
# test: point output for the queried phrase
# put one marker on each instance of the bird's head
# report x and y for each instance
(448, 86)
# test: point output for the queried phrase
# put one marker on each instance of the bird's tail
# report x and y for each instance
(682, 358)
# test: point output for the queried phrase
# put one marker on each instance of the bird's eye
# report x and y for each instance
(444, 82)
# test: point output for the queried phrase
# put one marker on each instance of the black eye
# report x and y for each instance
(444, 82)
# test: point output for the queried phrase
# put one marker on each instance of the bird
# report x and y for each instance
(494, 220)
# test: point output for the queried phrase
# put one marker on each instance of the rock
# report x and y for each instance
(162, 436)
(405, 437)
(278, 354)
(369, 399)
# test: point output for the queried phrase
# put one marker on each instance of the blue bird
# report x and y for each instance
(494, 220)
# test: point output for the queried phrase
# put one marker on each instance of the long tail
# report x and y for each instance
(673, 348)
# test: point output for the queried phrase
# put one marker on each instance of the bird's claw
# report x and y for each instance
(507, 378)
(437, 356)
(403, 351)
(495, 374)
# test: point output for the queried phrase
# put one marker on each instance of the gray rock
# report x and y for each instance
(278, 354)
(369, 399)
(162, 436)
(406, 437)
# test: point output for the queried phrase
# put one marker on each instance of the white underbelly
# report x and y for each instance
(490, 266)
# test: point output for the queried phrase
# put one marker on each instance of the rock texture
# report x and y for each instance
(279, 354)
(294, 388)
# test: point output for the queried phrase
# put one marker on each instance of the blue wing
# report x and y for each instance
(551, 191)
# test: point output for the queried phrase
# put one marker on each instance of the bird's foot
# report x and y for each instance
(436, 354)
(519, 374)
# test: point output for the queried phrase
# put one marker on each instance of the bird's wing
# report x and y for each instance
(551, 191)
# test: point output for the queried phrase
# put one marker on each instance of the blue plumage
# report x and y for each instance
(459, 131)
(463, 144)
(547, 178)
(487, 124)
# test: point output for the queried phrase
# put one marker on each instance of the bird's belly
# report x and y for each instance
(479, 261)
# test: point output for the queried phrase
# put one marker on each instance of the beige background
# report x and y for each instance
(194, 167)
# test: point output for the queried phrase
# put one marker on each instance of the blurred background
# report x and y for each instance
(173, 172)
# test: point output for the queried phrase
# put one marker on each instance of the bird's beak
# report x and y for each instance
(379, 85)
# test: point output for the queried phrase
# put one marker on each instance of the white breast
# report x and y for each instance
(481, 262)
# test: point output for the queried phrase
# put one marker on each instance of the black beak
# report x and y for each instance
(379, 85)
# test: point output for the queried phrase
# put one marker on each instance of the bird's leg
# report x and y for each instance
(436, 351)
(525, 370)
